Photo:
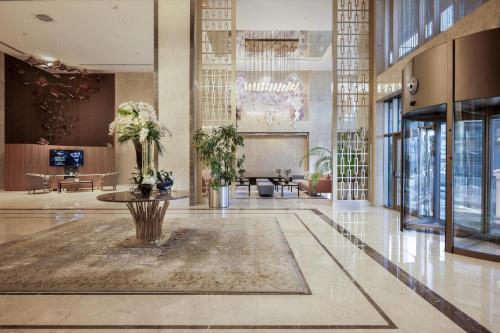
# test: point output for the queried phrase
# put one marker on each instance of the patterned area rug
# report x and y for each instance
(204, 255)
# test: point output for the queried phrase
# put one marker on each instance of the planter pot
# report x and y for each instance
(165, 186)
(146, 189)
(287, 179)
(218, 198)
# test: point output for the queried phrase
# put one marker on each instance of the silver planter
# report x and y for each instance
(218, 198)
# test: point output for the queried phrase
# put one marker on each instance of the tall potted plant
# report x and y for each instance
(137, 122)
(322, 166)
(217, 151)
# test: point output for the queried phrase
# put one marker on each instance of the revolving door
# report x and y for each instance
(424, 169)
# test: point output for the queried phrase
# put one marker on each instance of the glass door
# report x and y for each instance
(423, 166)
(476, 177)
(396, 171)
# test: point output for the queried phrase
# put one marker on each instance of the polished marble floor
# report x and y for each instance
(364, 275)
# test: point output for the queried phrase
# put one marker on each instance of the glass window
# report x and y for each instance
(476, 168)
(405, 19)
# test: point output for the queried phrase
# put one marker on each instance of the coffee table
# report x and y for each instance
(74, 182)
(291, 185)
(148, 214)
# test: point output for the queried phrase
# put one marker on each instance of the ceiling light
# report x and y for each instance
(44, 18)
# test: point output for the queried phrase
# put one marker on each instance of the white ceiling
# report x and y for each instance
(117, 35)
(103, 35)
(308, 15)
(291, 15)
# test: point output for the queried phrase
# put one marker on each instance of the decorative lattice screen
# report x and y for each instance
(216, 79)
(353, 98)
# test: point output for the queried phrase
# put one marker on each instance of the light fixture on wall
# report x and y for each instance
(272, 61)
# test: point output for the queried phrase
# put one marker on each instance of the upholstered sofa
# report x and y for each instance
(324, 184)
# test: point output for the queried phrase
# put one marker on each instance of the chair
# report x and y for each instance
(37, 182)
(109, 179)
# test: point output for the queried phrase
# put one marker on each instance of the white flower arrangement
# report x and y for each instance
(137, 122)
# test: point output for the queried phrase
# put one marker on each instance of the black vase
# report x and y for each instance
(146, 189)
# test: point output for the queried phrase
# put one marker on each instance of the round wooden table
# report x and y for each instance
(148, 213)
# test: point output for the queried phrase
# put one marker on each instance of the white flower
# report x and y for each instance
(143, 134)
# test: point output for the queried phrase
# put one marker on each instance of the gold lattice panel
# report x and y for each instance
(353, 98)
(216, 79)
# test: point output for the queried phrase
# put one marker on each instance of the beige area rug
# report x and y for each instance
(205, 255)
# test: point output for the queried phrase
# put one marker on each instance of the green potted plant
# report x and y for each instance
(322, 165)
(280, 177)
(288, 175)
(241, 170)
(217, 151)
(164, 181)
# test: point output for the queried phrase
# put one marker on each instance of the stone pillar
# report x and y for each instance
(130, 87)
(2, 118)
(173, 87)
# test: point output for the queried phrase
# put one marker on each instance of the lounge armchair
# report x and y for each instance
(37, 182)
(109, 179)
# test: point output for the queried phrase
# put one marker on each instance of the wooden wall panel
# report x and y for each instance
(21, 159)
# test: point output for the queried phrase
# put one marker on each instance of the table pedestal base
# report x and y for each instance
(148, 217)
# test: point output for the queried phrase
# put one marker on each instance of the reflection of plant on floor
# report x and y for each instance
(217, 151)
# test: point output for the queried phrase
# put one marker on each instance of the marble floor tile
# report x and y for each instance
(351, 291)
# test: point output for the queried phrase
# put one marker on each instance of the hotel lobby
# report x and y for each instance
(249, 166)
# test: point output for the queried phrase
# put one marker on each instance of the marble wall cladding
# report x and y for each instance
(173, 87)
(130, 87)
(316, 120)
(2, 118)
(484, 18)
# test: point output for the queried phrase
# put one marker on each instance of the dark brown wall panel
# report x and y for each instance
(477, 65)
(22, 115)
(430, 68)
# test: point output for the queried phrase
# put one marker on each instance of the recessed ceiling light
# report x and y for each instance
(115, 7)
(44, 17)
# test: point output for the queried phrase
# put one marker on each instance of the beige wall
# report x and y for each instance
(2, 119)
(173, 86)
(317, 122)
(130, 87)
(485, 17)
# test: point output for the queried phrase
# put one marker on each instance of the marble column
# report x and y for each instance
(173, 87)
(130, 87)
(2, 118)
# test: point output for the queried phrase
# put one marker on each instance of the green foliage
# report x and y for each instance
(288, 172)
(315, 177)
(163, 176)
(324, 162)
(217, 152)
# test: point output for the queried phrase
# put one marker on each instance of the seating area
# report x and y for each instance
(76, 182)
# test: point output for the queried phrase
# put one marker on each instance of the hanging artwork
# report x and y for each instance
(56, 86)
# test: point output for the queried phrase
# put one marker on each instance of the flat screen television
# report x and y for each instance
(66, 158)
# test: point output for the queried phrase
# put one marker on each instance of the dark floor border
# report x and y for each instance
(453, 313)
(390, 324)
